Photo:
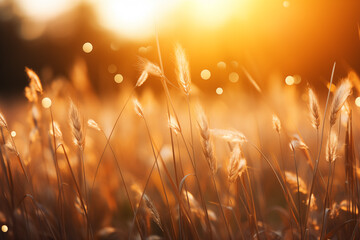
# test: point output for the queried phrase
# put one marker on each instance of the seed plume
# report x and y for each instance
(92, 124)
(237, 164)
(230, 136)
(331, 147)
(143, 77)
(34, 80)
(182, 70)
(314, 109)
(76, 125)
(341, 94)
(276, 123)
(206, 141)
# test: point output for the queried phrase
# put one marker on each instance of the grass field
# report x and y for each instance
(251, 162)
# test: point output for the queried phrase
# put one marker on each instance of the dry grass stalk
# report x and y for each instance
(174, 125)
(292, 179)
(206, 141)
(314, 109)
(341, 94)
(331, 147)
(58, 133)
(138, 108)
(76, 126)
(237, 164)
(276, 123)
(3, 122)
(182, 70)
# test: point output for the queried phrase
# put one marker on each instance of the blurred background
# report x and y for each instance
(293, 40)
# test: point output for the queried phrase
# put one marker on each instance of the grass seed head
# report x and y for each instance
(314, 109)
(331, 147)
(206, 141)
(340, 96)
(34, 80)
(182, 70)
(237, 164)
(276, 123)
(76, 125)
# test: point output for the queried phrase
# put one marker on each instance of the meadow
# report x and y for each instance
(254, 162)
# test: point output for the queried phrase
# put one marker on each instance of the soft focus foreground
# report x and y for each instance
(265, 163)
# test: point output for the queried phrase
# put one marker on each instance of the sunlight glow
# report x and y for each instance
(214, 13)
(44, 9)
(219, 91)
(132, 18)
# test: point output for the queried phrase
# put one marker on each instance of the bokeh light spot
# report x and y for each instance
(357, 101)
(219, 91)
(13, 133)
(4, 228)
(233, 77)
(87, 47)
(205, 74)
(289, 80)
(118, 78)
(46, 102)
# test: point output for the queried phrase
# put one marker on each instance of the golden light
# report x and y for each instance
(357, 101)
(205, 74)
(132, 18)
(13, 133)
(43, 10)
(46, 102)
(118, 78)
(286, 4)
(87, 47)
(4, 228)
(219, 91)
(289, 80)
(233, 77)
(214, 13)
